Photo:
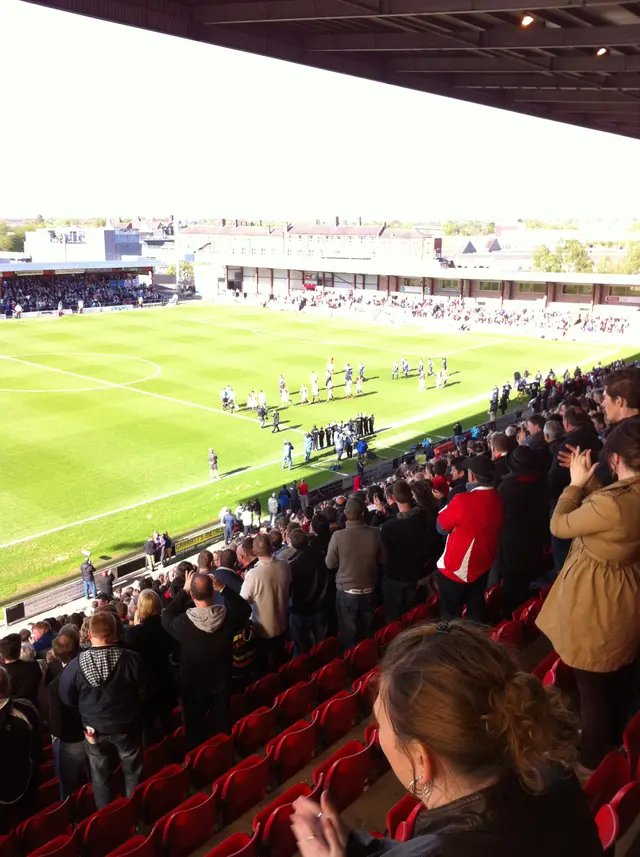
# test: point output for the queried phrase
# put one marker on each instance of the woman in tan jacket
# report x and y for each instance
(592, 614)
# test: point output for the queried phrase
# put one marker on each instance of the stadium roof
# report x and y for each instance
(75, 267)
(578, 61)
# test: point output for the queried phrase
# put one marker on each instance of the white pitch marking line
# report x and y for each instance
(410, 421)
(109, 384)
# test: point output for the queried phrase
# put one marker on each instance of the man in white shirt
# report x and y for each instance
(266, 588)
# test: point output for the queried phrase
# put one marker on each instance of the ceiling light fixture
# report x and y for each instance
(602, 52)
(527, 21)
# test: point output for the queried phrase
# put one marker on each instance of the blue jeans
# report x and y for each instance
(69, 761)
(306, 631)
(286, 461)
(355, 617)
(228, 535)
(104, 756)
(560, 550)
(89, 588)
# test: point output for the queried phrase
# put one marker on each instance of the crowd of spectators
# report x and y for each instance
(45, 293)
(563, 485)
(463, 313)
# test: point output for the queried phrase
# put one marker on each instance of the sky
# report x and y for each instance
(104, 120)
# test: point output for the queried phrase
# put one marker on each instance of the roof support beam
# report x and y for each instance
(504, 37)
(531, 80)
(323, 10)
(504, 65)
(572, 96)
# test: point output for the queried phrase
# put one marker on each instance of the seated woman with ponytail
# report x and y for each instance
(484, 746)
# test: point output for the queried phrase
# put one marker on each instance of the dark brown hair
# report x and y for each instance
(402, 491)
(458, 693)
(624, 441)
(624, 384)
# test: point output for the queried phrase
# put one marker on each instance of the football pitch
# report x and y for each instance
(107, 419)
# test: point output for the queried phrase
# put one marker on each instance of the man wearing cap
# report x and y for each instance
(357, 555)
(472, 522)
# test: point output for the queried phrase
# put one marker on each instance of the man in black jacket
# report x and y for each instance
(458, 484)
(87, 571)
(309, 584)
(65, 722)
(580, 432)
(105, 683)
(411, 545)
(25, 676)
(21, 754)
(205, 632)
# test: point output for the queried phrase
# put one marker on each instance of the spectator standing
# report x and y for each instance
(205, 632)
(106, 684)
(87, 571)
(592, 614)
(105, 583)
(21, 754)
(150, 640)
(499, 452)
(287, 453)
(65, 723)
(228, 523)
(285, 499)
(42, 637)
(412, 546)
(525, 532)
(473, 521)
(266, 587)
(580, 432)
(309, 583)
(247, 520)
(272, 506)
(458, 484)
(357, 554)
(150, 554)
(303, 492)
(535, 439)
(25, 676)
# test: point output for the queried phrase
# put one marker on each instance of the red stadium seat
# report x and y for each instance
(275, 821)
(509, 633)
(400, 812)
(527, 614)
(8, 846)
(45, 826)
(255, 730)
(106, 829)
(493, 604)
(348, 777)
(325, 651)
(293, 749)
(379, 618)
(190, 825)
(331, 678)
(363, 657)
(545, 665)
(561, 676)
(155, 758)
(338, 716)
(631, 741)
(262, 692)
(610, 776)
(61, 846)
(348, 749)
(423, 613)
(295, 702)
(237, 845)
(616, 817)
(47, 752)
(157, 795)
(47, 771)
(385, 635)
(210, 760)
(176, 745)
(406, 829)
(299, 669)
(137, 846)
(367, 688)
(242, 787)
(49, 793)
(379, 762)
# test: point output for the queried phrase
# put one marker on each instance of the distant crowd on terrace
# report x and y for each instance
(45, 293)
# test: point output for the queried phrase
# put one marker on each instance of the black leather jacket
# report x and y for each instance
(500, 821)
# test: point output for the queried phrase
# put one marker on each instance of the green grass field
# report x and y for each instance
(110, 417)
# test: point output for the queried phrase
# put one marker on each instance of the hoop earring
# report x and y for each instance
(422, 793)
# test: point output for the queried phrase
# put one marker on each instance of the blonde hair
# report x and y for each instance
(460, 694)
(149, 604)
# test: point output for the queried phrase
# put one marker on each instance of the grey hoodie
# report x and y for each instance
(207, 619)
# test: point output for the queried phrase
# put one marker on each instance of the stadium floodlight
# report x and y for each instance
(527, 20)
(601, 52)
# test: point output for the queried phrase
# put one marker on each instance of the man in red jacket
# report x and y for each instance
(472, 522)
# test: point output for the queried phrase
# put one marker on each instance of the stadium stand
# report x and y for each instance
(490, 730)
